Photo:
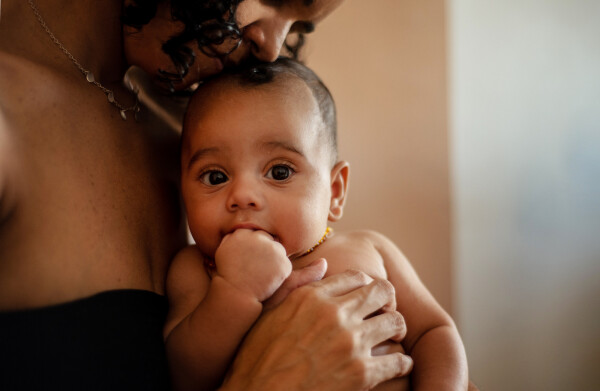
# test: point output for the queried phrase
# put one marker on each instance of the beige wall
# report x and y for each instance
(384, 61)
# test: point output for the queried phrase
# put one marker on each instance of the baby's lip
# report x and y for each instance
(252, 227)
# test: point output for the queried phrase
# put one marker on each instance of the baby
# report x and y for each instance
(261, 180)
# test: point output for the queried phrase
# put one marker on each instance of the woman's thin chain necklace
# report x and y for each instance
(89, 76)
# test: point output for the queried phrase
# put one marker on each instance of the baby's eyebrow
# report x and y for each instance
(284, 145)
(200, 153)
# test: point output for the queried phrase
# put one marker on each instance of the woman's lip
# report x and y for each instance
(218, 65)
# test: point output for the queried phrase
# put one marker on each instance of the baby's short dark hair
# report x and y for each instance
(263, 73)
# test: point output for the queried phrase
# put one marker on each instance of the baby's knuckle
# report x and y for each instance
(280, 250)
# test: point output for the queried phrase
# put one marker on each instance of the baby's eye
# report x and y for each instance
(213, 177)
(280, 172)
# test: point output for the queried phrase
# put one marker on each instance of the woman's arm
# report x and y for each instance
(318, 339)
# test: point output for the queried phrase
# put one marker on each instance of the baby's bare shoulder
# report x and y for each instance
(187, 274)
(365, 237)
(353, 250)
(187, 285)
(376, 239)
(188, 260)
(369, 241)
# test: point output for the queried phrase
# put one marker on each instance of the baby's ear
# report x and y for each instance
(339, 189)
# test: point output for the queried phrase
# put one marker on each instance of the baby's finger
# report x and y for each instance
(263, 233)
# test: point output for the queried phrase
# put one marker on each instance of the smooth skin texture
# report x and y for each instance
(264, 184)
(89, 202)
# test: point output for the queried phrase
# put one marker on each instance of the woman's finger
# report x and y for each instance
(342, 283)
(383, 327)
(366, 300)
(311, 273)
(382, 368)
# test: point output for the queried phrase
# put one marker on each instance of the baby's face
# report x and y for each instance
(254, 158)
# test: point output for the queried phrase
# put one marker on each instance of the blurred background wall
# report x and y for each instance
(525, 98)
(385, 64)
(473, 132)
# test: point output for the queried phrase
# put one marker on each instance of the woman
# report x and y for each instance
(90, 213)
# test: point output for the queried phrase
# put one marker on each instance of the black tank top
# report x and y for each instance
(110, 341)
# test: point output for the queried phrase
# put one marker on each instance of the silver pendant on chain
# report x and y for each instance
(89, 76)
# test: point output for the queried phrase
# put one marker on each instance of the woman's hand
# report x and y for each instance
(300, 277)
(318, 339)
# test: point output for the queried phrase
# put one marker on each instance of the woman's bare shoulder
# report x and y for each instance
(13, 70)
(7, 164)
(13, 103)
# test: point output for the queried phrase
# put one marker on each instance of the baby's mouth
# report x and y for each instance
(252, 227)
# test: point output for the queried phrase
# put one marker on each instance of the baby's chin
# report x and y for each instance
(296, 254)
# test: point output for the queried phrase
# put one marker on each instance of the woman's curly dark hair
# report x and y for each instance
(210, 22)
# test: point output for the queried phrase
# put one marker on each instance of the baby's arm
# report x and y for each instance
(208, 318)
(432, 339)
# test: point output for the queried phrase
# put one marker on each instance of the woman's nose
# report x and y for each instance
(267, 37)
(244, 194)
